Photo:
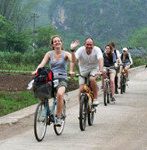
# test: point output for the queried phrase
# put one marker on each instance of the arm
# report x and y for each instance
(118, 58)
(72, 56)
(43, 62)
(73, 46)
(130, 58)
(100, 59)
(100, 64)
(72, 64)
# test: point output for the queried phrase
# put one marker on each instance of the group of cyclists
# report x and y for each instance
(91, 61)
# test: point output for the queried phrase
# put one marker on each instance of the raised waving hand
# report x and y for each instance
(74, 44)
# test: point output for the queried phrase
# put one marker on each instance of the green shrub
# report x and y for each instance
(138, 61)
(13, 101)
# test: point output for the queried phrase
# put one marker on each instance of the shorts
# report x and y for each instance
(61, 82)
(93, 72)
(111, 70)
(117, 70)
(126, 64)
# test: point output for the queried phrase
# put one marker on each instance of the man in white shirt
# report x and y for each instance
(90, 61)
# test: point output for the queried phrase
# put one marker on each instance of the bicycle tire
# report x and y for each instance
(124, 85)
(83, 112)
(91, 111)
(59, 129)
(40, 122)
(108, 92)
(121, 85)
(105, 94)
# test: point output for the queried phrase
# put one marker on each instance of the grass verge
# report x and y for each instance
(13, 101)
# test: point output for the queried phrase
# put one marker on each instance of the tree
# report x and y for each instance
(18, 12)
(44, 35)
(5, 27)
(14, 18)
(138, 38)
(18, 41)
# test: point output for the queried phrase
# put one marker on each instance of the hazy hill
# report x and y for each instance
(104, 20)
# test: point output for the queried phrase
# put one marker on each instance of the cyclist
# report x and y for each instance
(110, 61)
(126, 60)
(118, 62)
(57, 59)
(90, 61)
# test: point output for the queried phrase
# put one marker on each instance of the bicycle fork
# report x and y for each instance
(91, 107)
(49, 113)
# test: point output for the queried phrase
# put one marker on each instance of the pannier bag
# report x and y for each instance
(43, 83)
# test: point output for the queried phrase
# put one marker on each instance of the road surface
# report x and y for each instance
(119, 126)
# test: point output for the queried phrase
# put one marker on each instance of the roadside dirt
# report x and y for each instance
(19, 82)
(14, 82)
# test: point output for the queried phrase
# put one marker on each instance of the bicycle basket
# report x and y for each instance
(44, 90)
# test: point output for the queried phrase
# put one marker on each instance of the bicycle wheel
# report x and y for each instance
(83, 112)
(108, 92)
(59, 129)
(40, 122)
(105, 92)
(121, 85)
(91, 111)
(124, 84)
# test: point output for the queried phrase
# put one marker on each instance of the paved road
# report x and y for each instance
(122, 126)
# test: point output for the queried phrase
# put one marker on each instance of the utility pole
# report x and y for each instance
(34, 17)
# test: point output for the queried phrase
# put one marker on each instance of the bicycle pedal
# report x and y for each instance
(80, 118)
(63, 117)
(57, 125)
(48, 121)
(95, 106)
(94, 110)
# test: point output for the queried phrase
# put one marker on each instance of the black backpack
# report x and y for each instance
(116, 54)
(43, 75)
(43, 83)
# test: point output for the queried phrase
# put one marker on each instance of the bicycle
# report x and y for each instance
(123, 80)
(107, 95)
(86, 107)
(45, 115)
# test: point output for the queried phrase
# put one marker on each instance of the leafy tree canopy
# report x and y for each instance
(139, 38)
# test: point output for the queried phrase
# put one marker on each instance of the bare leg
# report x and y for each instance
(126, 70)
(112, 84)
(118, 76)
(93, 85)
(60, 95)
